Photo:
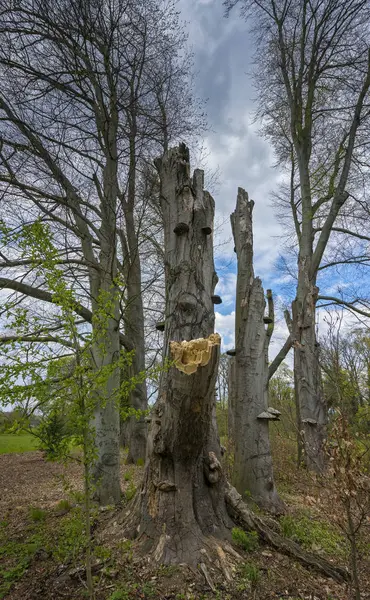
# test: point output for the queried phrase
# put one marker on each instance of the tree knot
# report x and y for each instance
(212, 468)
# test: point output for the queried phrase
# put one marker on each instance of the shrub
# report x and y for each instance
(54, 435)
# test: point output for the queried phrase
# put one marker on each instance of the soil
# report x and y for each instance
(28, 481)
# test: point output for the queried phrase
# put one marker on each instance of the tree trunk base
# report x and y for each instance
(215, 556)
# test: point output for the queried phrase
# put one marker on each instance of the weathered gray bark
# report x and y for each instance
(310, 402)
(253, 471)
(182, 499)
(106, 346)
(231, 402)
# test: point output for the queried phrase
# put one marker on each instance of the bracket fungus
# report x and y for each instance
(181, 228)
(266, 416)
(274, 411)
(188, 356)
(231, 352)
(309, 421)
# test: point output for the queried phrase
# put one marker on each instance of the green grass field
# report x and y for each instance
(17, 443)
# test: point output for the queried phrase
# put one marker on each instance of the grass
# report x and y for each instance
(313, 534)
(249, 572)
(10, 442)
(248, 540)
(16, 556)
(37, 514)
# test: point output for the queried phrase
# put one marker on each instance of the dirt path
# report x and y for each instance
(28, 480)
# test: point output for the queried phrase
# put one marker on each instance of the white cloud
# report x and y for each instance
(225, 326)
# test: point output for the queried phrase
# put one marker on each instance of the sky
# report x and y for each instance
(223, 52)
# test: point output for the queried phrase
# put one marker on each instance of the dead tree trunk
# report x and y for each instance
(253, 472)
(182, 500)
(231, 401)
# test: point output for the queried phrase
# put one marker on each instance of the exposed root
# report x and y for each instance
(239, 511)
(207, 577)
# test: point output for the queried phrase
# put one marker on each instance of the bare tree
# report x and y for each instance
(79, 113)
(313, 80)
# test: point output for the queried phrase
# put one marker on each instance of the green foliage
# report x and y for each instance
(126, 548)
(313, 534)
(362, 420)
(64, 505)
(119, 594)
(148, 590)
(54, 435)
(71, 539)
(15, 558)
(128, 476)
(140, 462)
(222, 420)
(37, 514)
(167, 570)
(130, 492)
(248, 540)
(281, 397)
(102, 553)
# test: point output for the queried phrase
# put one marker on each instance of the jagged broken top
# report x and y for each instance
(188, 356)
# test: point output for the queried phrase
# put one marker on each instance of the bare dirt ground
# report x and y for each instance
(33, 524)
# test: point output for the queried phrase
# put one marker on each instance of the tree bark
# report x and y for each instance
(253, 470)
(231, 403)
(182, 506)
(310, 401)
(106, 336)
(136, 429)
(185, 509)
